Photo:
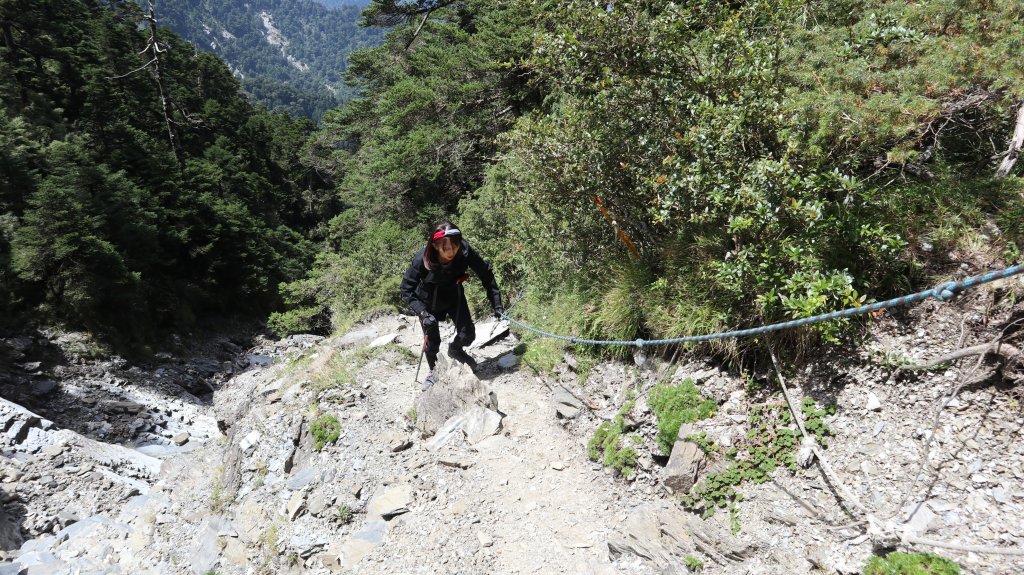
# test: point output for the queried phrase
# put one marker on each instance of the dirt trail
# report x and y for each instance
(529, 502)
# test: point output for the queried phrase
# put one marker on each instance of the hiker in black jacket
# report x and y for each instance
(432, 286)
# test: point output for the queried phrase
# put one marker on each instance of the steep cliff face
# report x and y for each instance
(321, 455)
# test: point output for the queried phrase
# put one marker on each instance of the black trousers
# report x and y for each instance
(465, 331)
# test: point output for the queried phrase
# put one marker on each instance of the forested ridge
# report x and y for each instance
(139, 190)
(753, 161)
(289, 55)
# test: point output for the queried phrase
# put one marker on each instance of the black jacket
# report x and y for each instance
(437, 289)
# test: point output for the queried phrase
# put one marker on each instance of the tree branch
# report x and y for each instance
(1015, 144)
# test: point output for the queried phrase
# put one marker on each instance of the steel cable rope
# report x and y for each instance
(942, 292)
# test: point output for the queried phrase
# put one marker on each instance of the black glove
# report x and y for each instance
(499, 312)
(427, 319)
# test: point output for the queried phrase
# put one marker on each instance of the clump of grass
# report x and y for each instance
(324, 429)
(344, 514)
(693, 563)
(411, 414)
(606, 444)
(897, 563)
(675, 405)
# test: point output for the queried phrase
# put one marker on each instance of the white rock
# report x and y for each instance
(873, 403)
(383, 340)
(485, 539)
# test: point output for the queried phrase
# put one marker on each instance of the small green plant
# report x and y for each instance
(706, 445)
(814, 420)
(693, 563)
(344, 514)
(675, 405)
(606, 445)
(324, 429)
(411, 414)
(218, 499)
(734, 519)
(769, 444)
(293, 559)
(897, 563)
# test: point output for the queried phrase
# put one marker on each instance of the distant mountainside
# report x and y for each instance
(344, 3)
(290, 55)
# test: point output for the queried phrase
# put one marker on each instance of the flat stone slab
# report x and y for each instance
(393, 501)
(481, 423)
(355, 336)
(361, 543)
(490, 332)
(383, 340)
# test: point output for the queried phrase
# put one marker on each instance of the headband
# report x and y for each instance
(445, 233)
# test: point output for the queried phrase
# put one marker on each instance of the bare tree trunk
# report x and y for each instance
(165, 101)
(1015, 145)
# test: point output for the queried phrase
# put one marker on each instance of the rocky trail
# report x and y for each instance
(213, 462)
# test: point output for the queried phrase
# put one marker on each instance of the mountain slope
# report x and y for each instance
(290, 55)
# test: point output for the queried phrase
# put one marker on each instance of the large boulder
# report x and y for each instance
(457, 390)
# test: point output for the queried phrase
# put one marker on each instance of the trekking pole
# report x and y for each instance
(423, 349)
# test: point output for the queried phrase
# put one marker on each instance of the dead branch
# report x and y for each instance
(1015, 144)
(1007, 351)
(139, 69)
(418, 28)
(966, 548)
(823, 463)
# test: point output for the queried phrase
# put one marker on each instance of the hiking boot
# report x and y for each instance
(459, 354)
(429, 382)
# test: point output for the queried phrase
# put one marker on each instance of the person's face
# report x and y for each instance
(446, 249)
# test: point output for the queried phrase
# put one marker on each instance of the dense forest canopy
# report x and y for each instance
(766, 159)
(631, 168)
(138, 187)
(290, 55)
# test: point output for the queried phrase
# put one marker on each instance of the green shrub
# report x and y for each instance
(324, 429)
(693, 563)
(606, 444)
(675, 405)
(897, 563)
(363, 274)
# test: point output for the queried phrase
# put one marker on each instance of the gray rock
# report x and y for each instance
(296, 505)
(181, 438)
(250, 440)
(45, 387)
(318, 502)
(456, 391)
(259, 360)
(355, 336)
(456, 462)
(206, 551)
(566, 404)
(873, 403)
(383, 340)
(662, 535)
(391, 502)
(302, 478)
(490, 332)
(305, 545)
(481, 423)
(685, 464)
(124, 406)
(349, 553)
(508, 361)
